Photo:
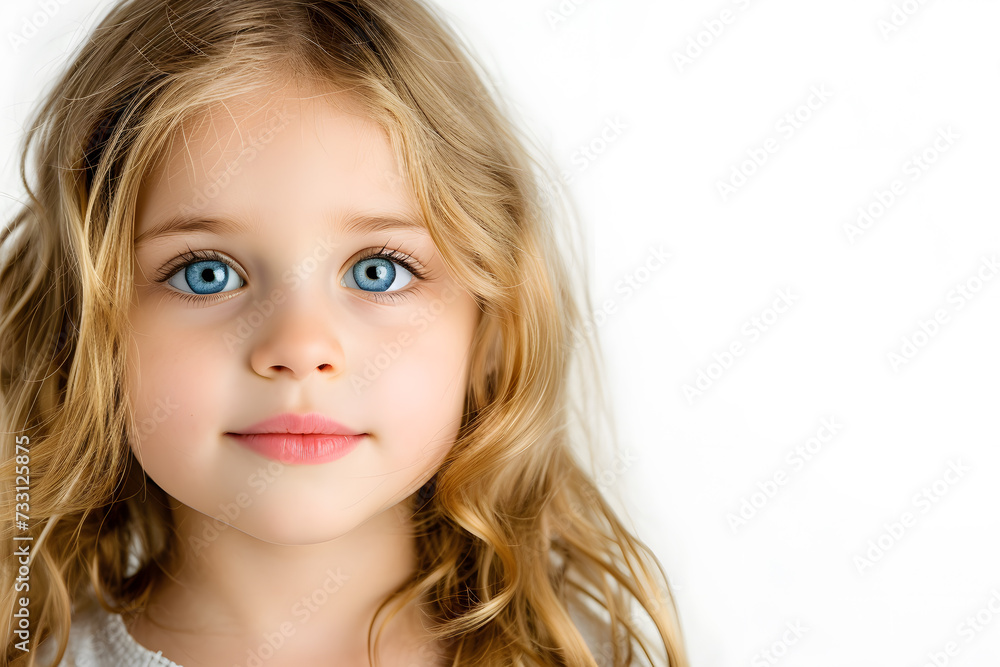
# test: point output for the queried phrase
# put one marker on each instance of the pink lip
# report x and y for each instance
(292, 438)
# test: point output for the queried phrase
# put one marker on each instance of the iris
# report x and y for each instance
(207, 277)
(375, 274)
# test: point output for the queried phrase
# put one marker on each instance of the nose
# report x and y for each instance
(297, 340)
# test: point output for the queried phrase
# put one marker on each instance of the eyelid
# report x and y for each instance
(409, 262)
(174, 265)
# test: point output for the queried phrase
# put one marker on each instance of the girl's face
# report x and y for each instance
(295, 277)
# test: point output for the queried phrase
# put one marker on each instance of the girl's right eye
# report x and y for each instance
(205, 274)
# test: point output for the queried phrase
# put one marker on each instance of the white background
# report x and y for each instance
(799, 557)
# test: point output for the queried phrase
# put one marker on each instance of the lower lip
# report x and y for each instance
(299, 447)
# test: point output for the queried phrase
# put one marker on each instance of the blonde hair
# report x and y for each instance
(515, 530)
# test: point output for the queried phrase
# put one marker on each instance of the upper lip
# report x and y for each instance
(289, 422)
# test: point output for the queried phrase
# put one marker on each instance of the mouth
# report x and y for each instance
(297, 448)
(299, 439)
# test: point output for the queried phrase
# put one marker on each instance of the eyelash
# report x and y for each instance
(399, 257)
(192, 256)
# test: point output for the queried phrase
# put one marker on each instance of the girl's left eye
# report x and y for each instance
(377, 273)
(206, 276)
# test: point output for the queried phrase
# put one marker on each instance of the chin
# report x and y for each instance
(296, 529)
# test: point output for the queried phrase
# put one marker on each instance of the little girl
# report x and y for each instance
(292, 353)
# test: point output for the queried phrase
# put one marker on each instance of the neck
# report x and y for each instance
(230, 588)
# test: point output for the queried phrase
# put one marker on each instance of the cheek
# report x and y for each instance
(419, 393)
(174, 389)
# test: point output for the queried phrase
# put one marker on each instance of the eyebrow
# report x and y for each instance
(180, 224)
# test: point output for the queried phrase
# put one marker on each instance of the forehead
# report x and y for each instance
(297, 147)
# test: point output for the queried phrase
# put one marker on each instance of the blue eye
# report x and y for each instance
(377, 274)
(207, 276)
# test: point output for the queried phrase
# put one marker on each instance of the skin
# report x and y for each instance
(289, 561)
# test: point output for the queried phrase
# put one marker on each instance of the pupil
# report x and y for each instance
(208, 275)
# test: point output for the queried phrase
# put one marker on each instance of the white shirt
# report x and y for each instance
(100, 639)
